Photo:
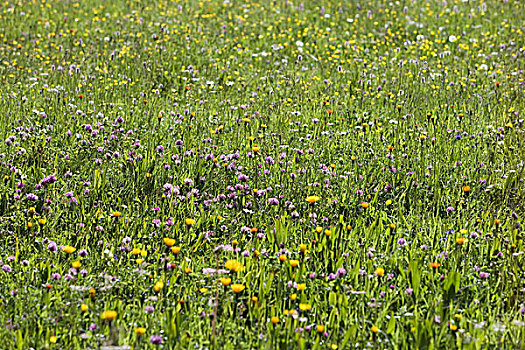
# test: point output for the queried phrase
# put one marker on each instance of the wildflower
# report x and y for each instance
(158, 286)
(282, 257)
(233, 265)
(375, 329)
(169, 241)
(68, 249)
(155, 339)
(380, 271)
(109, 315)
(225, 281)
(83, 307)
(294, 263)
(312, 199)
(305, 307)
(117, 214)
(320, 328)
(237, 288)
(460, 241)
(53, 339)
(365, 204)
(189, 222)
(484, 275)
(275, 319)
(175, 250)
(76, 264)
(434, 265)
(140, 331)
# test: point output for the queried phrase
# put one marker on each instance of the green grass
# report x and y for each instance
(123, 119)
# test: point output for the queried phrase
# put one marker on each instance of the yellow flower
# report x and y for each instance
(135, 251)
(158, 286)
(42, 221)
(320, 328)
(305, 307)
(301, 286)
(275, 319)
(175, 250)
(282, 257)
(203, 290)
(466, 189)
(392, 226)
(233, 265)
(225, 281)
(109, 315)
(143, 253)
(29, 224)
(69, 249)
(453, 327)
(365, 204)
(255, 299)
(294, 263)
(460, 241)
(187, 270)
(53, 339)
(139, 261)
(380, 271)
(312, 199)
(76, 264)
(293, 296)
(169, 241)
(327, 232)
(140, 331)
(83, 307)
(375, 329)
(189, 222)
(388, 202)
(237, 288)
(318, 229)
(32, 210)
(117, 214)
(255, 148)
(302, 248)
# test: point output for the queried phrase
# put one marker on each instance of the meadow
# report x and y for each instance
(262, 174)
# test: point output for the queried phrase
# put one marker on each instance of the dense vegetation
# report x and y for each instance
(262, 174)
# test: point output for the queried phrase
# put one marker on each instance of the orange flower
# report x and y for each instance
(169, 241)
(434, 265)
